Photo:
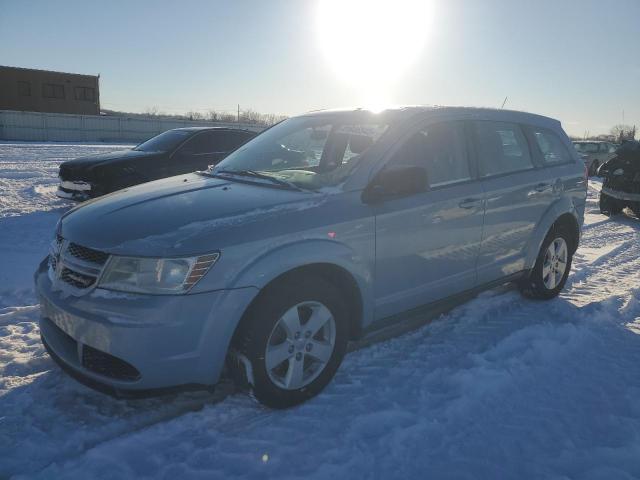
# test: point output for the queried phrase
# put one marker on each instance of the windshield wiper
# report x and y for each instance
(254, 174)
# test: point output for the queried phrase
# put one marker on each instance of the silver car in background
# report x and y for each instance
(327, 228)
(595, 153)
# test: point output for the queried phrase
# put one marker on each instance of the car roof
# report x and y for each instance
(408, 111)
(202, 129)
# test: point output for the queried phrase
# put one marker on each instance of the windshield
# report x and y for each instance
(164, 142)
(309, 152)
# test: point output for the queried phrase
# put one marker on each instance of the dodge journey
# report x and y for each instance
(322, 230)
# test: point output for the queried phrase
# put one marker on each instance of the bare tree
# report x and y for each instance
(623, 132)
(193, 115)
(152, 111)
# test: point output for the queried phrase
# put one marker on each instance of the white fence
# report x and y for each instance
(59, 127)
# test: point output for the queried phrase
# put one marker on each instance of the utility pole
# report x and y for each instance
(238, 113)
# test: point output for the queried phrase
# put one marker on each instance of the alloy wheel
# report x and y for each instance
(555, 263)
(300, 345)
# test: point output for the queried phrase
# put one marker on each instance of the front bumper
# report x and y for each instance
(132, 343)
(77, 191)
(617, 194)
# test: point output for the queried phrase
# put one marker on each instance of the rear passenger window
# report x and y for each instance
(553, 150)
(440, 150)
(502, 148)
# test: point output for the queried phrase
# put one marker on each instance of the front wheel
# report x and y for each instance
(294, 338)
(552, 267)
(593, 168)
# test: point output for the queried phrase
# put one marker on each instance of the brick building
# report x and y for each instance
(25, 89)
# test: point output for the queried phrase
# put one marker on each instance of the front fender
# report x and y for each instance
(262, 268)
(560, 207)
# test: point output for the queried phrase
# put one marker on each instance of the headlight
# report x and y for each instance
(155, 275)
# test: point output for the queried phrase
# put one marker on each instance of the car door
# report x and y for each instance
(427, 243)
(517, 195)
(559, 164)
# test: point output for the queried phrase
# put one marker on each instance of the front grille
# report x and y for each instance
(87, 254)
(53, 263)
(75, 265)
(77, 279)
(107, 365)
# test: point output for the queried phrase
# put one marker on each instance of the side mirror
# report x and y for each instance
(396, 182)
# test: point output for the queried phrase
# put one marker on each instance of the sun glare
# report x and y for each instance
(370, 44)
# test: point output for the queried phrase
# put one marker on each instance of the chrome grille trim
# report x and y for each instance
(74, 268)
(87, 254)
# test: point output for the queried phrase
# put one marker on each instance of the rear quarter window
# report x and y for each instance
(502, 148)
(553, 150)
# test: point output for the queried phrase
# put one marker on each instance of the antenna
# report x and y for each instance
(505, 102)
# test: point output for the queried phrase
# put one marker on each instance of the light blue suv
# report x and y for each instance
(324, 229)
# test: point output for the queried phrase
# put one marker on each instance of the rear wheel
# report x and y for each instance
(294, 338)
(552, 267)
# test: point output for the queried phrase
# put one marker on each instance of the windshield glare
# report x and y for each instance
(310, 152)
(164, 142)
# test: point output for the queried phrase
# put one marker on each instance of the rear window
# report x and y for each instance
(502, 148)
(553, 150)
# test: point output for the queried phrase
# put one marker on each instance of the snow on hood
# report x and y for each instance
(183, 215)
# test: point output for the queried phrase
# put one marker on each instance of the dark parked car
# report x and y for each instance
(173, 152)
(621, 181)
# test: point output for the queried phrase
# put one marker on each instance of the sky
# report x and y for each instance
(574, 60)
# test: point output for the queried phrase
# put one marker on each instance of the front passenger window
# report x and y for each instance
(502, 148)
(440, 150)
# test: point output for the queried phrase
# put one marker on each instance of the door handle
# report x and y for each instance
(469, 203)
(540, 188)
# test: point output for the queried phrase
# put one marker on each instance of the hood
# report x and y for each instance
(184, 215)
(85, 163)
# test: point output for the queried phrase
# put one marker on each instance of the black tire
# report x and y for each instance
(534, 286)
(258, 324)
(593, 168)
(609, 206)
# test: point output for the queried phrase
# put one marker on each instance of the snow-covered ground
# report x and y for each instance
(501, 387)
